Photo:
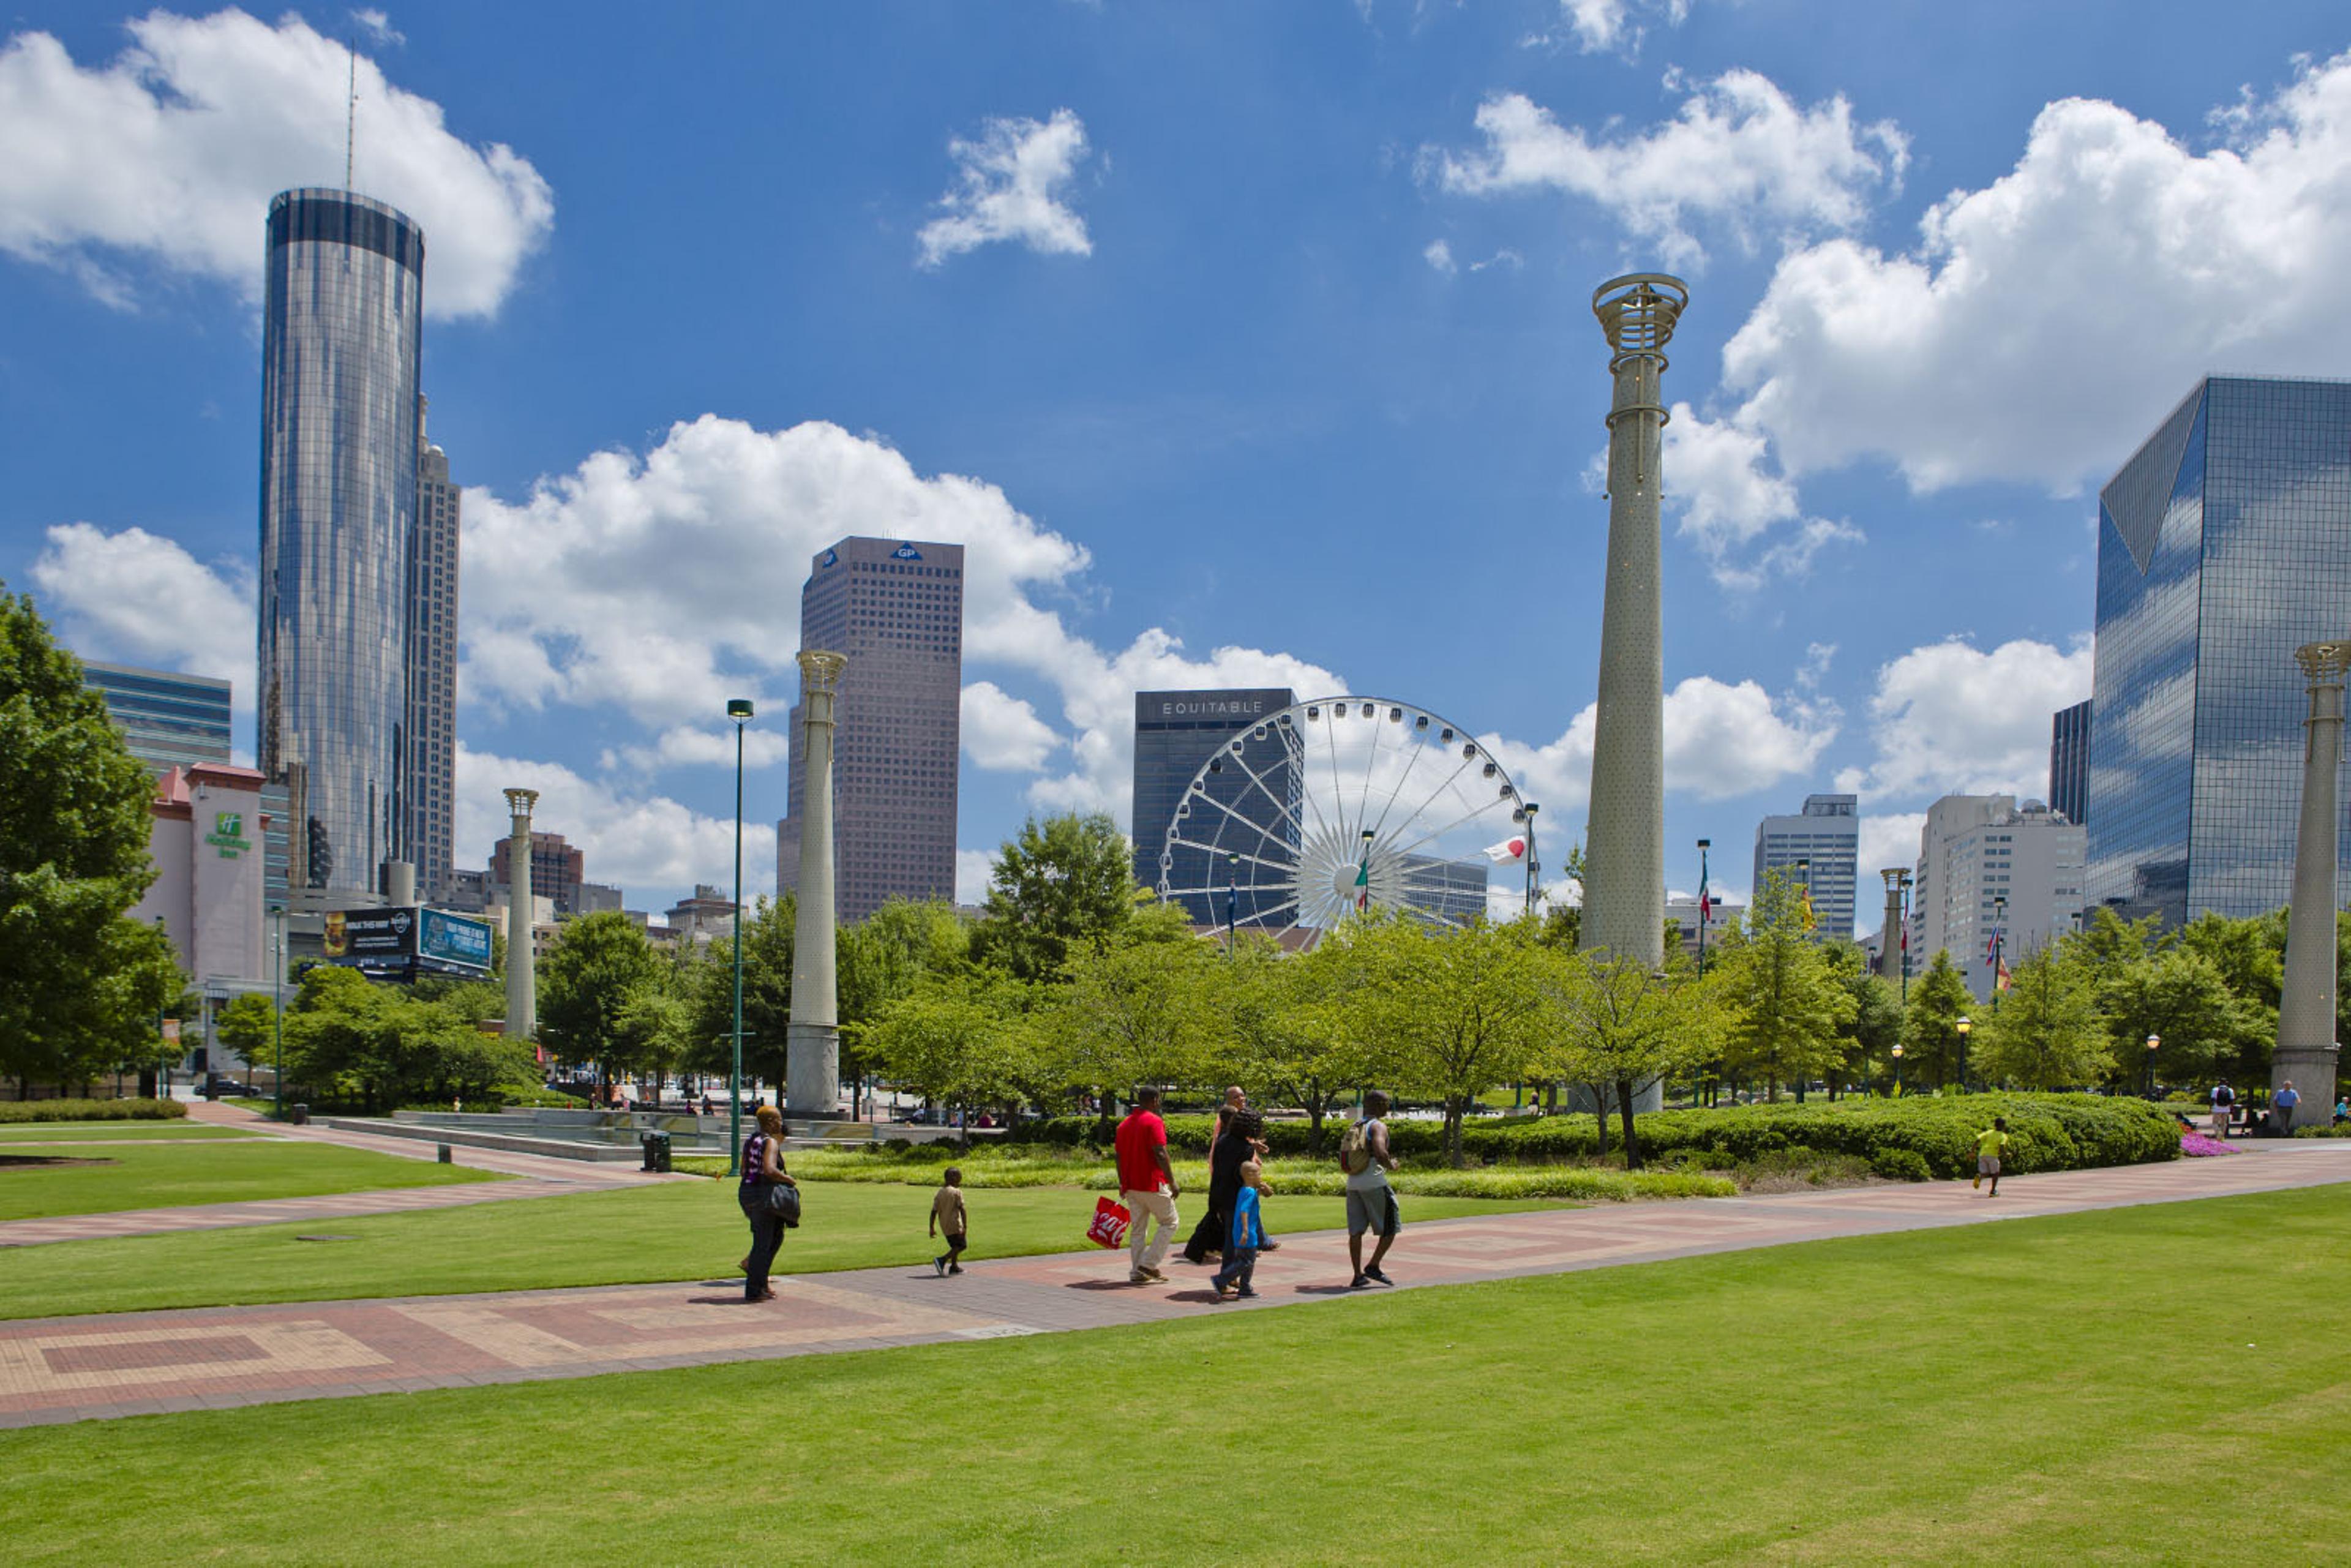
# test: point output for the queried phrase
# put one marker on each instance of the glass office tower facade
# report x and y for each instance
(168, 721)
(341, 344)
(1176, 733)
(2223, 544)
(896, 608)
(2069, 762)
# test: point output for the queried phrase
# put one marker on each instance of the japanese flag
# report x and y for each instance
(1509, 852)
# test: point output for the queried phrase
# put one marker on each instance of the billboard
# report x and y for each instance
(402, 941)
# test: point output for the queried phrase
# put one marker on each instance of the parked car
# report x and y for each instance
(216, 1085)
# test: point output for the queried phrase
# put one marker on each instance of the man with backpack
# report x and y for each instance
(2224, 1100)
(1371, 1202)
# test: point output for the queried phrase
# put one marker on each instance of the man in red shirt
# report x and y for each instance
(1146, 1186)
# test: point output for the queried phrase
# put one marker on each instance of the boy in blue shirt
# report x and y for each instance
(1246, 1236)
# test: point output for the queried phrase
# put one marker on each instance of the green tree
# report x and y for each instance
(767, 942)
(1446, 1012)
(1788, 1007)
(600, 971)
(962, 1041)
(1135, 1013)
(1061, 888)
(2180, 997)
(1935, 1051)
(1282, 1030)
(886, 957)
(247, 1026)
(80, 983)
(2046, 1033)
(1618, 1023)
(1870, 1035)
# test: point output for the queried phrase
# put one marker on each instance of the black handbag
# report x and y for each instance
(783, 1203)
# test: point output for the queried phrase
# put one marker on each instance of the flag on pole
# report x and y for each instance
(1363, 885)
(1811, 920)
(1991, 948)
(2000, 977)
(1509, 852)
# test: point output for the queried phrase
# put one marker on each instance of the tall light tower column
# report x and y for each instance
(812, 1041)
(2307, 1047)
(522, 980)
(1625, 840)
(1889, 955)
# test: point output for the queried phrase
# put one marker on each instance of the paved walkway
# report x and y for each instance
(535, 1175)
(68, 1369)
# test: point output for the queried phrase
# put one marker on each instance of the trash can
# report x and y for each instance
(298, 1114)
(656, 1146)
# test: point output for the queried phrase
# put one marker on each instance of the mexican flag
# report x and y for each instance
(1364, 883)
(1509, 852)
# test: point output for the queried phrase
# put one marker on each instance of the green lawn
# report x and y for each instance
(95, 1131)
(152, 1175)
(676, 1230)
(2091, 1389)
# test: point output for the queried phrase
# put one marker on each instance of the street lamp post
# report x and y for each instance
(1232, 903)
(2154, 1044)
(1897, 1070)
(1999, 935)
(278, 1013)
(1534, 871)
(739, 710)
(1963, 1025)
(1705, 910)
(1906, 941)
(1364, 876)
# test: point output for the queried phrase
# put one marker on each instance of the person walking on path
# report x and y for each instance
(1240, 1137)
(1991, 1144)
(1147, 1186)
(2224, 1100)
(1371, 1201)
(1245, 1239)
(2281, 1106)
(949, 1218)
(763, 1167)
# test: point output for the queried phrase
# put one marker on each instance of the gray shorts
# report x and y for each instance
(1373, 1208)
(1987, 1165)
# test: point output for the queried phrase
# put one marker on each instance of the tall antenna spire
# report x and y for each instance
(351, 112)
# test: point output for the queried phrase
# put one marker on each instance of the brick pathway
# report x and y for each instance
(67, 1369)
(535, 1175)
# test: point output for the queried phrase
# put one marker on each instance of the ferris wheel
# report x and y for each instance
(1338, 807)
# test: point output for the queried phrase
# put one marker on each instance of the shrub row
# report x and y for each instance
(90, 1110)
(1906, 1139)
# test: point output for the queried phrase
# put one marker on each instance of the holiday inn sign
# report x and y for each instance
(229, 835)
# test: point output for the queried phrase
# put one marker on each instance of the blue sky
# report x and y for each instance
(1247, 343)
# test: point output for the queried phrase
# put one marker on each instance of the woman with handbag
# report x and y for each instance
(761, 1194)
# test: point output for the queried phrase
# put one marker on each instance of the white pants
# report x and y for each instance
(2219, 1121)
(1145, 1207)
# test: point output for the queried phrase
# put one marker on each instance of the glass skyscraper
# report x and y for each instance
(2069, 762)
(1176, 733)
(168, 721)
(341, 344)
(2223, 544)
(896, 608)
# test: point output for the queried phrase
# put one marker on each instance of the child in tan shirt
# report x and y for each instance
(949, 1218)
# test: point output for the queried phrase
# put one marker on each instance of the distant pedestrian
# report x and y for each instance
(2282, 1104)
(1991, 1144)
(762, 1168)
(2224, 1101)
(949, 1218)
(1239, 1135)
(2342, 1109)
(1245, 1239)
(1147, 1186)
(1371, 1202)
(708, 1108)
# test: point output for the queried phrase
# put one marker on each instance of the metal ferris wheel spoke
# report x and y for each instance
(1475, 812)
(1283, 866)
(1410, 763)
(1249, 822)
(1338, 790)
(1371, 772)
(1289, 813)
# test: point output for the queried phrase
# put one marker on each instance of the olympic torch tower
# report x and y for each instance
(522, 982)
(1625, 839)
(813, 1037)
(2307, 1047)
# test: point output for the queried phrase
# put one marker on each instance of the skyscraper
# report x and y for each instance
(342, 340)
(1982, 861)
(168, 721)
(431, 786)
(896, 608)
(2223, 544)
(1827, 836)
(2069, 762)
(1176, 733)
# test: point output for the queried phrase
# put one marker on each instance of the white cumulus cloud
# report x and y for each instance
(140, 599)
(1002, 732)
(1741, 157)
(1012, 182)
(1439, 256)
(1617, 26)
(1721, 741)
(1952, 719)
(1742, 513)
(2044, 324)
(169, 153)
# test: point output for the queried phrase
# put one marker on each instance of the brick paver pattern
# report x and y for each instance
(66, 1369)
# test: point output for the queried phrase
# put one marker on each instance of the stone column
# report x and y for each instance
(522, 980)
(812, 1041)
(2306, 1046)
(1889, 958)
(1625, 838)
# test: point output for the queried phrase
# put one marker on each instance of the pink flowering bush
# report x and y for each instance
(2195, 1145)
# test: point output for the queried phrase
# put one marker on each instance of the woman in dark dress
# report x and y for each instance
(762, 1167)
(1240, 1137)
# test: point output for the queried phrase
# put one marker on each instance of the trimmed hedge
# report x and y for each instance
(2050, 1132)
(90, 1110)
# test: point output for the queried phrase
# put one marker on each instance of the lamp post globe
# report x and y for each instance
(1897, 1070)
(1963, 1024)
(2154, 1044)
(739, 710)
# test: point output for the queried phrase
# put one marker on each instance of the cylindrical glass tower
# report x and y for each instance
(342, 340)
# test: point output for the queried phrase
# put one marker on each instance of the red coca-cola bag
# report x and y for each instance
(1111, 1220)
